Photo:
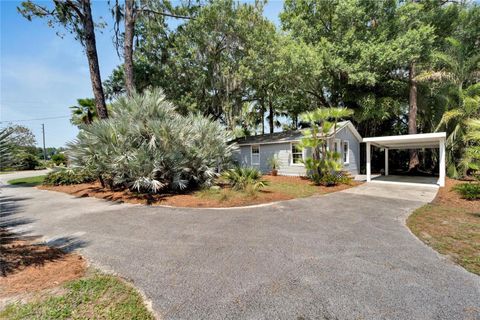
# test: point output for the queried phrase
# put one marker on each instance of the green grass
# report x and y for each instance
(454, 232)
(94, 297)
(293, 190)
(27, 182)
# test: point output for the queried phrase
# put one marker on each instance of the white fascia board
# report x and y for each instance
(407, 138)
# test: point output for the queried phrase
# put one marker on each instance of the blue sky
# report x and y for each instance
(43, 74)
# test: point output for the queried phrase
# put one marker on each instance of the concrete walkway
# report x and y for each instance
(345, 255)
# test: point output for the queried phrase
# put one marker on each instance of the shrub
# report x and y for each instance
(147, 146)
(470, 191)
(67, 177)
(334, 178)
(26, 161)
(59, 159)
(245, 179)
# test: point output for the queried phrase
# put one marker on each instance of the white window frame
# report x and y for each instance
(291, 155)
(251, 155)
(339, 143)
(346, 156)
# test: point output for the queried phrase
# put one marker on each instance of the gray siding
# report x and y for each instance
(354, 152)
(242, 155)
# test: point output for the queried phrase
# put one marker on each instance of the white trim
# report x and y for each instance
(408, 141)
(386, 161)
(347, 161)
(441, 178)
(337, 142)
(291, 155)
(251, 155)
(369, 170)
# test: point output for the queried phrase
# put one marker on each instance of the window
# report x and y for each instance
(346, 153)
(297, 154)
(255, 155)
(336, 145)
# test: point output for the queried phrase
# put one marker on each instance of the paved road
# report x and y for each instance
(345, 255)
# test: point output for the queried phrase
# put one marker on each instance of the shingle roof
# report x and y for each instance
(285, 136)
(278, 137)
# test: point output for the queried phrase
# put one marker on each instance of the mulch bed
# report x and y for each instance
(448, 197)
(26, 266)
(191, 200)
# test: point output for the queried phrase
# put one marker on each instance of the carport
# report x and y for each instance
(410, 141)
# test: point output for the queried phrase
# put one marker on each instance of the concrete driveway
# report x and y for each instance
(345, 255)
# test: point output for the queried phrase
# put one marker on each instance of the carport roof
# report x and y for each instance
(408, 141)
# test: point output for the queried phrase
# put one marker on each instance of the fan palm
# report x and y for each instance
(455, 122)
(84, 112)
(6, 148)
(147, 146)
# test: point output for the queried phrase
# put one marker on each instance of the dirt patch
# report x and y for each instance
(448, 197)
(280, 188)
(26, 266)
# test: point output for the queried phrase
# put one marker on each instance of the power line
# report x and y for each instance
(36, 119)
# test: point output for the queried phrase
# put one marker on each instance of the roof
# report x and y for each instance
(408, 141)
(289, 136)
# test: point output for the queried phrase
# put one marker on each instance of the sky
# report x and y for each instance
(42, 75)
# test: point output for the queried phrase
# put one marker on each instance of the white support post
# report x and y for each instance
(441, 178)
(386, 161)
(369, 172)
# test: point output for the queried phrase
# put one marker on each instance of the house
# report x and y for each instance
(255, 151)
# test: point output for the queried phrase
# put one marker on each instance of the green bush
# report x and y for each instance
(469, 191)
(147, 146)
(245, 179)
(334, 178)
(59, 159)
(67, 177)
(26, 161)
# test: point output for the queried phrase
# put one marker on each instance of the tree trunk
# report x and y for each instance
(92, 57)
(412, 115)
(270, 115)
(128, 46)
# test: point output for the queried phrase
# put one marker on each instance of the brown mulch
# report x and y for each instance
(191, 200)
(26, 266)
(448, 197)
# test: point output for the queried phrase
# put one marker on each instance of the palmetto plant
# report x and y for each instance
(6, 148)
(244, 178)
(471, 156)
(148, 147)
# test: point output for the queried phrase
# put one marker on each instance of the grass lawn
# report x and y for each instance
(287, 188)
(96, 296)
(28, 182)
(451, 226)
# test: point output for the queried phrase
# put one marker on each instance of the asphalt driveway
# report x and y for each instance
(345, 255)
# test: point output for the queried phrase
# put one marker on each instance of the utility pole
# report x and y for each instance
(44, 150)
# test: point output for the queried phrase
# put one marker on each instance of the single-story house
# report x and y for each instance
(255, 151)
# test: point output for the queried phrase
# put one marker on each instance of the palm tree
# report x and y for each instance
(457, 68)
(83, 113)
(455, 123)
(471, 156)
(322, 160)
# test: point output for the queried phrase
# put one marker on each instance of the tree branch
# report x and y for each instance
(165, 14)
